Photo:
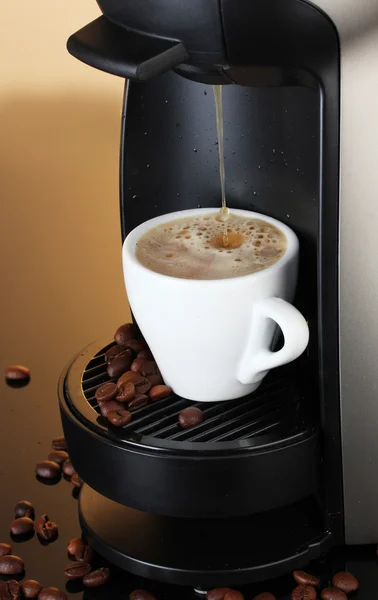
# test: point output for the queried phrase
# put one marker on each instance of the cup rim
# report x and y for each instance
(129, 244)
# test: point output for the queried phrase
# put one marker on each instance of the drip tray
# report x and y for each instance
(249, 455)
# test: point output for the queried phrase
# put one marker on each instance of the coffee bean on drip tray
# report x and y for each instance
(303, 578)
(141, 595)
(191, 416)
(48, 469)
(333, 593)
(265, 596)
(77, 570)
(59, 443)
(149, 368)
(75, 545)
(67, 468)
(139, 401)
(24, 508)
(136, 346)
(17, 374)
(5, 549)
(52, 593)
(126, 392)
(11, 565)
(113, 352)
(119, 364)
(111, 406)
(21, 526)
(97, 578)
(119, 418)
(137, 364)
(58, 456)
(218, 593)
(84, 554)
(9, 590)
(141, 384)
(30, 588)
(158, 392)
(77, 481)
(106, 392)
(233, 595)
(146, 354)
(125, 333)
(345, 582)
(304, 592)
(47, 530)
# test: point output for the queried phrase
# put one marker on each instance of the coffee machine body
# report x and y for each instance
(300, 133)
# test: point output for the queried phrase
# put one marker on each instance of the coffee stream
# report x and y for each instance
(224, 211)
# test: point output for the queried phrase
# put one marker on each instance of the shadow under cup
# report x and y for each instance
(212, 337)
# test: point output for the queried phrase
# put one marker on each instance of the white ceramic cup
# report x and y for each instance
(212, 338)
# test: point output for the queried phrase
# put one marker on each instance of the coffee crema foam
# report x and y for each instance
(203, 247)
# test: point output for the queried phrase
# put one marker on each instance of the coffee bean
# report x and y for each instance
(304, 592)
(137, 364)
(96, 578)
(52, 593)
(106, 392)
(233, 595)
(190, 416)
(114, 351)
(110, 406)
(21, 526)
(46, 529)
(47, 469)
(158, 392)
(155, 379)
(31, 588)
(84, 554)
(17, 373)
(218, 593)
(9, 590)
(119, 418)
(125, 333)
(77, 570)
(345, 582)
(136, 346)
(11, 565)
(333, 593)
(24, 508)
(76, 481)
(149, 368)
(58, 456)
(59, 443)
(127, 377)
(119, 364)
(265, 596)
(5, 549)
(126, 392)
(141, 384)
(67, 468)
(146, 354)
(141, 595)
(139, 401)
(303, 578)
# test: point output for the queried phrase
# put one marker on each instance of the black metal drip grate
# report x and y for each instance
(273, 412)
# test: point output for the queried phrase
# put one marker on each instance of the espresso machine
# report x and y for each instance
(272, 481)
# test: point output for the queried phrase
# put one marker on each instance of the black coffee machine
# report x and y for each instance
(258, 488)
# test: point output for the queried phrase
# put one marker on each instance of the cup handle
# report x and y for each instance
(258, 359)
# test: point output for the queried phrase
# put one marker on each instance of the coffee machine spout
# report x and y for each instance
(124, 52)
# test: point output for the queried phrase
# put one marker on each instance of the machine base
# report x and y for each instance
(208, 552)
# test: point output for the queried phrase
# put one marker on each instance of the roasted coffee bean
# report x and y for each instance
(75, 545)
(146, 354)
(303, 578)
(46, 529)
(58, 456)
(125, 333)
(67, 468)
(304, 592)
(233, 595)
(141, 384)
(9, 590)
(149, 368)
(155, 380)
(106, 392)
(11, 565)
(136, 346)
(137, 364)
(158, 392)
(114, 351)
(24, 508)
(345, 581)
(17, 373)
(77, 481)
(110, 406)
(218, 593)
(190, 416)
(96, 578)
(84, 554)
(119, 364)
(333, 593)
(21, 526)
(59, 443)
(119, 418)
(5, 549)
(31, 588)
(141, 595)
(51, 593)
(265, 596)
(126, 392)
(139, 401)
(77, 570)
(48, 469)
